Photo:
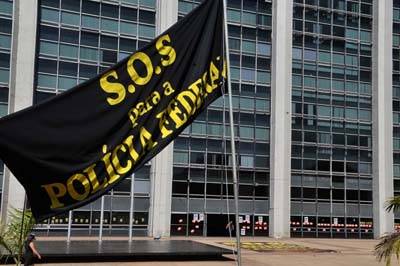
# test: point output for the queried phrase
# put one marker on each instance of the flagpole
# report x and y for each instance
(234, 176)
(131, 209)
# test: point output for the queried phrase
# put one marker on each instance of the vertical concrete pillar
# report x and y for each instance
(281, 82)
(382, 115)
(162, 164)
(21, 86)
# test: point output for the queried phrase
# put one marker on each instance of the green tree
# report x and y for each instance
(389, 244)
(14, 233)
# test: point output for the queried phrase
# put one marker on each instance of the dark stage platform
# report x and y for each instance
(137, 250)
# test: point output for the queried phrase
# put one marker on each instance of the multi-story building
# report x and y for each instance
(316, 120)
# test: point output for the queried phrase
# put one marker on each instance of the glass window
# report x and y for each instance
(47, 81)
(90, 7)
(109, 42)
(323, 110)
(69, 51)
(128, 28)
(365, 36)
(248, 74)
(264, 49)
(87, 71)
(181, 157)
(246, 132)
(262, 134)
(199, 128)
(70, 18)
(246, 161)
(263, 77)
(69, 36)
(5, 25)
(111, 11)
(365, 114)
(109, 25)
(6, 7)
(49, 15)
(351, 113)
(48, 48)
(249, 18)
(351, 33)
(130, 14)
(147, 17)
(149, 3)
(147, 31)
(324, 84)
(310, 55)
(5, 41)
(66, 83)
(90, 22)
(73, 5)
(249, 47)
(89, 54)
(233, 15)
(127, 45)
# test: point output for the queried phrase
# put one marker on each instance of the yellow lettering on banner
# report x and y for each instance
(133, 116)
(176, 114)
(132, 152)
(145, 140)
(82, 179)
(163, 123)
(214, 76)
(93, 179)
(168, 90)
(223, 74)
(117, 164)
(112, 87)
(143, 107)
(166, 50)
(109, 168)
(189, 106)
(54, 195)
(155, 97)
(197, 89)
(145, 59)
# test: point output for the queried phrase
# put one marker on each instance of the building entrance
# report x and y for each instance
(216, 224)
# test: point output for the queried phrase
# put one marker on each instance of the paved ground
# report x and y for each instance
(349, 252)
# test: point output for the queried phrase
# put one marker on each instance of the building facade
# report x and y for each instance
(316, 101)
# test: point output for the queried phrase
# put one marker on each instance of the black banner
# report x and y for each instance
(73, 148)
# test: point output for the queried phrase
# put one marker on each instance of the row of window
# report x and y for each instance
(334, 181)
(332, 166)
(219, 175)
(213, 145)
(331, 44)
(347, 99)
(356, 6)
(127, 28)
(331, 227)
(93, 7)
(327, 58)
(329, 138)
(312, 152)
(332, 111)
(218, 190)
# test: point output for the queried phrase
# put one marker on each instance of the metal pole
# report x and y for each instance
(69, 226)
(22, 222)
(234, 176)
(131, 208)
(101, 219)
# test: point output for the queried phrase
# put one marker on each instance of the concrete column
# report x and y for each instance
(281, 82)
(21, 86)
(162, 164)
(382, 116)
